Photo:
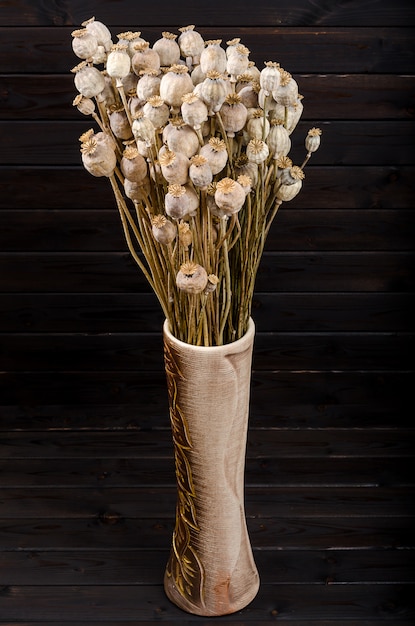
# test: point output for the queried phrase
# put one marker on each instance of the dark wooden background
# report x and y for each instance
(87, 484)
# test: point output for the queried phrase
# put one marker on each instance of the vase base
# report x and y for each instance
(221, 605)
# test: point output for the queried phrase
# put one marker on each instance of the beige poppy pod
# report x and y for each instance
(288, 190)
(234, 114)
(133, 165)
(287, 92)
(291, 114)
(145, 58)
(105, 139)
(278, 140)
(86, 106)
(182, 138)
(143, 129)
(89, 81)
(215, 153)
(213, 91)
(84, 44)
(164, 231)
(174, 167)
(312, 141)
(245, 182)
(135, 106)
(211, 205)
(185, 235)
(194, 111)
(135, 190)
(101, 32)
(282, 163)
(248, 93)
(253, 72)
(244, 167)
(180, 200)
(148, 85)
(285, 193)
(270, 77)
(98, 159)
(119, 122)
(199, 171)
(157, 111)
(237, 61)
(197, 75)
(174, 84)
(213, 57)
(191, 44)
(129, 83)
(131, 38)
(118, 62)
(191, 278)
(100, 56)
(258, 125)
(229, 195)
(167, 48)
(211, 284)
(257, 151)
(290, 175)
(231, 45)
(108, 95)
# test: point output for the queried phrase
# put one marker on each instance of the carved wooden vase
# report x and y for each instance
(211, 570)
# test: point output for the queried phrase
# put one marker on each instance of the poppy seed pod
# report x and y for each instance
(312, 141)
(229, 196)
(85, 105)
(84, 44)
(191, 43)
(180, 200)
(291, 175)
(163, 230)
(237, 61)
(174, 167)
(194, 111)
(258, 126)
(285, 193)
(148, 85)
(233, 114)
(185, 235)
(101, 32)
(211, 284)
(119, 122)
(143, 129)
(134, 190)
(191, 278)
(287, 92)
(133, 165)
(118, 62)
(244, 167)
(213, 57)
(199, 171)
(270, 77)
(174, 84)
(294, 177)
(167, 48)
(213, 91)
(278, 139)
(157, 111)
(257, 151)
(98, 159)
(216, 154)
(181, 138)
(88, 80)
(145, 58)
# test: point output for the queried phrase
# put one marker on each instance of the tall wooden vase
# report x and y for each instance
(211, 570)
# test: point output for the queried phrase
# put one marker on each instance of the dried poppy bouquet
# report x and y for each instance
(194, 140)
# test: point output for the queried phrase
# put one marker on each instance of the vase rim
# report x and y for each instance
(237, 345)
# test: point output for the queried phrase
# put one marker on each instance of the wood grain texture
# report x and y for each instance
(87, 489)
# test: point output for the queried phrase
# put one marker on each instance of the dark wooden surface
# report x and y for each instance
(87, 490)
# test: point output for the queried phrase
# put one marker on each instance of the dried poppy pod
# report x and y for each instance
(131, 39)
(199, 171)
(192, 278)
(164, 231)
(278, 140)
(174, 84)
(213, 91)
(98, 159)
(191, 44)
(182, 138)
(287, 92)
(148, 84)
(133, 165)
(213, 57)
(119, 122)
(145, 58)
(245, 182)
(84, 44)
(194, 111)
(101, 32)
(185, 235)
(167, 48)
(233, 114)
(257, 151)
(282, 163)
(216, 154)
(143, 129)
(248, 92)
(229, 195)
(135, 190)
(258, 126)
(212, 283)
(231, 45)
(89, 81)
(118, 62)
(174, 167)
(286, 192)
(86, 106)
(237, 61)
(157, 111)
(270, 77)
(312, 141)
(180, 200)
(244, 167)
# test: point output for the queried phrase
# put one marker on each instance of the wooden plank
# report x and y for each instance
(126, 399)
(112, 602)
(126, 567)
(143, 352)
(367, 12)
(141, 313)
(327, 187)
(113, 532)
(346, 142)
(262, 443)
(293, 229)
(321, 471)
(343, 50)
(112, 504)
(116, 272)
(326, 96)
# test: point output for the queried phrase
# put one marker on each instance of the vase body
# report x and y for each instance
(211, 570)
